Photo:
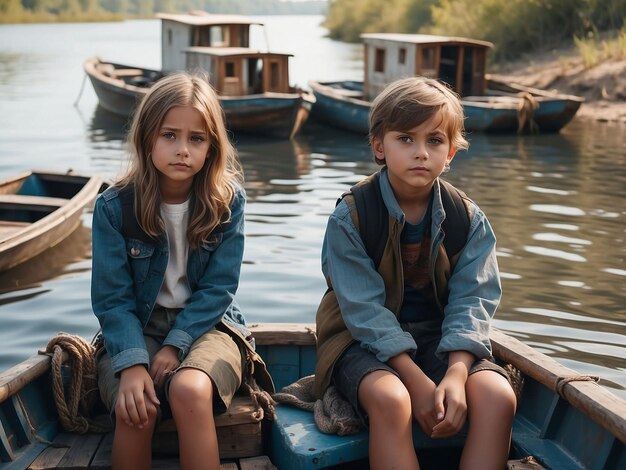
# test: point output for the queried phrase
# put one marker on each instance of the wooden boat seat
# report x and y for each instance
(21, 201)
(299, 444)
(238, 431)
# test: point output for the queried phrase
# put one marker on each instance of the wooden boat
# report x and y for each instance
(563, 421)
(490, 105)
(38, 210)
(253, 85)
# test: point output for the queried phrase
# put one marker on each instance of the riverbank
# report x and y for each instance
(603, 86)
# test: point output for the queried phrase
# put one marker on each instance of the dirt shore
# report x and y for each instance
(603, 86)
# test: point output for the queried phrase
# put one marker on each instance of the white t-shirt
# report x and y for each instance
(175, 291)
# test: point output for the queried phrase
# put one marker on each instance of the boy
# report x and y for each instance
(403, 330)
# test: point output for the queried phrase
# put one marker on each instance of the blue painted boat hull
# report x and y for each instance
(583, 427)
(340, 104)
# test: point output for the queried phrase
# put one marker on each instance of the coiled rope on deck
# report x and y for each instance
(75, 406)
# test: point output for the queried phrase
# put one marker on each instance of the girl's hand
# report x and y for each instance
(422, 391)
(450, 402)
(164, 363)
(136, 395)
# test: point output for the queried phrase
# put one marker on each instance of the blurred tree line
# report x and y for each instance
(514, 26)
(13, 11)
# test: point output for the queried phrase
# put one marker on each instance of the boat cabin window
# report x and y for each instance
(429, 58)
(219, 36)
(402, 55)
(169, 37)
(230, 69)
(379, 60)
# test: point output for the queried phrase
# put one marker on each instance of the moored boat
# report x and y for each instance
(253, 85)
(490, 105)
(38, 210)
(564, 420)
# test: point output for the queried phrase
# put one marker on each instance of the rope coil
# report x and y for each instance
(561, 382)
(75, 407)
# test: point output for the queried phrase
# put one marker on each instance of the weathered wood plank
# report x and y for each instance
(262, 462)
(102, 459)
(81, 452)
(49, 458)
(52, 455)
(14, 379)
(229, 466)
(241, 411)
(297, 334)
(240, 441)
(593, 400)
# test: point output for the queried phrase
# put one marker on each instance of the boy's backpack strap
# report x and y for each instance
(456, 224)
(372, 217)
(130, 225)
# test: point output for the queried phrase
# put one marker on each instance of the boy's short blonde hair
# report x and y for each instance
(408, 102)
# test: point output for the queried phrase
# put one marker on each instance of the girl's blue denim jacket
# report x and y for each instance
(127, 275)
(474, 286)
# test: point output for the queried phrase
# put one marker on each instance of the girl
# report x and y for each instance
(403, 331)
(167, 250)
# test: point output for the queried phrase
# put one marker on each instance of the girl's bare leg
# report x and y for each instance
(191, 399)
(491, 406)
(388, 405)
(132, 446)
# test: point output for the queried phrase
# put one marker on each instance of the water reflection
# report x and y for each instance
(26, 279)
(106, 126)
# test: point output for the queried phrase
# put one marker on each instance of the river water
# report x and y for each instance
(556, 201)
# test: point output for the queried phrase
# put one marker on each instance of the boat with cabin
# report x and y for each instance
(253, 85)
(490, 105)
(38, 210)
(564, 421)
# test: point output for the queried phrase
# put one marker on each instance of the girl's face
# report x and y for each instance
(415, 158)
(180, 150)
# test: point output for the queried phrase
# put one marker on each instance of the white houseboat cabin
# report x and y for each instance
(459, 62)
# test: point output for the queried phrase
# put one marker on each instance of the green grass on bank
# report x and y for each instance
(594, 51)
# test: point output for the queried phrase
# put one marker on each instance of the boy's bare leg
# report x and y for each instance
(191, 398)
(491, 406)
(132, 446)
(388, 405)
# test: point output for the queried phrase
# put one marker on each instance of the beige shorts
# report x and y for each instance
(215, 353)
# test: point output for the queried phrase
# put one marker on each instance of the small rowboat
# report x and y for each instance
(564, 421)
(38, 210)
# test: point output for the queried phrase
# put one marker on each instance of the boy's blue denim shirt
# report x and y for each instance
(127, 275)
(474, 286)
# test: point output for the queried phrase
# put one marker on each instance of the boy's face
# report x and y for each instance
(415, 158)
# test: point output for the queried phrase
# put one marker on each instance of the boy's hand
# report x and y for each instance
(164, 363)
(136, 395)
(422, 391)
(450, 401)
(420, 388)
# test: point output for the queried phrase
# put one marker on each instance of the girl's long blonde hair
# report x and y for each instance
(213, 187)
